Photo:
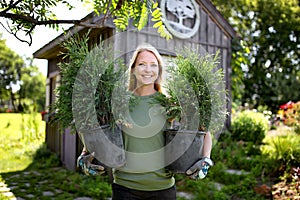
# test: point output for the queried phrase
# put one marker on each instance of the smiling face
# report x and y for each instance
(146, 69)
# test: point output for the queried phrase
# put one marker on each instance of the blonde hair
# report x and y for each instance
(132, 79)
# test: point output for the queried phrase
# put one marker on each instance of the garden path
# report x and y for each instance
(6, 191)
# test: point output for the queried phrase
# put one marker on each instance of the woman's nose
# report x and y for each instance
(147, 68)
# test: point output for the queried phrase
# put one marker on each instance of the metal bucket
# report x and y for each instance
(183, 148)
(107, 143)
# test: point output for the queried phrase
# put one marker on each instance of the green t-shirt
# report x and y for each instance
(144, 145)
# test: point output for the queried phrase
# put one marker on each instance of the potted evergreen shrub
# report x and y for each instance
(84, 98)
(197, 100)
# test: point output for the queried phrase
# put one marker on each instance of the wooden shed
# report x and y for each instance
(203, 25)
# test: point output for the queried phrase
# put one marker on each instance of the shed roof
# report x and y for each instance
(51, 49)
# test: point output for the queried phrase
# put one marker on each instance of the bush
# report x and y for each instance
(195, 93)
(284, 148)
(44, 158)
(89, 76)
(249, 126)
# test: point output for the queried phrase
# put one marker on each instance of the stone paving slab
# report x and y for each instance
(6, 191)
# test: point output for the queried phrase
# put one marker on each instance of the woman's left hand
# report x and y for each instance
(200, 168)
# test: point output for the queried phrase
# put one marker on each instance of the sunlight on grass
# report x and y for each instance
(20, 136)
(284, 145)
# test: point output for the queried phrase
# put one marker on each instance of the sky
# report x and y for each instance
(43, 35)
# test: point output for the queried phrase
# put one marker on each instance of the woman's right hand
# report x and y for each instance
(84, 162)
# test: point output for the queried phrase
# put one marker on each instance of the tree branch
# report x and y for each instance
(37, 22)
(15, 34)
(11, 5)
(107, 14)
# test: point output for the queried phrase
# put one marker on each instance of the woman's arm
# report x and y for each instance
(84, 151)
(207, 145)
(200, 168)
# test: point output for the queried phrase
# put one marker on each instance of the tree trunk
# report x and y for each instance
(12, 99)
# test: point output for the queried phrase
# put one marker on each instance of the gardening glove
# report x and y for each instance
(175, 125)
(84, 161)
(200, 168)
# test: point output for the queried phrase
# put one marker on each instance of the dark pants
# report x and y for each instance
(124, 193)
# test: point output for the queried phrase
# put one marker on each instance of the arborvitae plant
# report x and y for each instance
(88, 78)
(196, 89)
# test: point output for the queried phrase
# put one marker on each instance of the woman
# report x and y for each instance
(144, 175)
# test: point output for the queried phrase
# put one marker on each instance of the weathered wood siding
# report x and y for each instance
(53, 137)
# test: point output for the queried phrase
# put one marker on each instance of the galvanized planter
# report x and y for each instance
(183, 148)
(107, 143)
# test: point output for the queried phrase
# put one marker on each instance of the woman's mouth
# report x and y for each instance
(146, 76)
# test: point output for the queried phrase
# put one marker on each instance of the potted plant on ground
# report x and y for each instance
(84, 98)
(196, 100)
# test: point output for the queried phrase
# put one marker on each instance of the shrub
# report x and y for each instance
(44, 158)
(89, 75)
(249, 126)
(195, 93)
(283, 148)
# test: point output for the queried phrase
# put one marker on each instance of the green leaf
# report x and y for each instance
(144, 17)
(155, 5)
(158, 24)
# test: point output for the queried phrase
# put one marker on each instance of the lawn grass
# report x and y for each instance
(31, 171)
(20, 136)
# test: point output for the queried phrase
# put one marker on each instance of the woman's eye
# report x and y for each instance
(154, 65)
(142, 65)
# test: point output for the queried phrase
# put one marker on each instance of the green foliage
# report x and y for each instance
(17, 147)
(10, 73)
(27, 14)
(88, 80)
(157, 18)
(63, 183)
(202, 189)
(32, 89)
(266, 54)
(244, 191)
(30, 12)
(284, 148)
(258, 169)
(77, 49)
(239, 155)
(220, 185)
(97, 187)
(29, 167)
(192, 75)
(138, 11)
(239, 59)
(30, 127)
(20, 84)
(44, 158)
(249, 126)
(94, 86)
(297, 128)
